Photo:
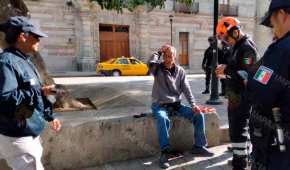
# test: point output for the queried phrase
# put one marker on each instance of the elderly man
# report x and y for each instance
(24, 105)
(170, 83)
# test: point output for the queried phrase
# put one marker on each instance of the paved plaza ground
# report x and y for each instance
(187, 162)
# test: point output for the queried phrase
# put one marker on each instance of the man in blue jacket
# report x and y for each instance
(24, 105)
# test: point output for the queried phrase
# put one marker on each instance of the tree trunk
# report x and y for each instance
(10, 8)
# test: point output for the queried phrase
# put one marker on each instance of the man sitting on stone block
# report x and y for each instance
(170, 83)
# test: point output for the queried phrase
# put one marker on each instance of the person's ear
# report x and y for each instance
(236, 34)
(22, 37)
(286, 16)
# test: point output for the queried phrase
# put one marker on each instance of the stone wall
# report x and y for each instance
(58, 21)
(74, 31)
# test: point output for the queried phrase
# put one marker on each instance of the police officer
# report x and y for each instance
(24, 107)
(269, 88)
(242, 57)
(207, 62)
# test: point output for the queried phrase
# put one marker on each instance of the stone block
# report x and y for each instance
(87, 140)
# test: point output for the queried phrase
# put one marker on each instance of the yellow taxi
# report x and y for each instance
(122, 66)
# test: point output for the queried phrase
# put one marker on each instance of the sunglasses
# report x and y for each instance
(34, 36)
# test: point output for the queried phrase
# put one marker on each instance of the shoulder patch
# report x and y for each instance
(263, 75)
(248, 60)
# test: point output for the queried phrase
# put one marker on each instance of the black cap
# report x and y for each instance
(211, 39)
(274, 5)
(23, 24)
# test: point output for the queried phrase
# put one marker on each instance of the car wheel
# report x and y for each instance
(116, 73)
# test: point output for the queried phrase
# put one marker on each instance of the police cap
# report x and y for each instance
(274, 5)
(22, 24)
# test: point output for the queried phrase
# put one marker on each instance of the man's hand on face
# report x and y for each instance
(164, 48)
(55, 125)
(220, 70)
(196, 109)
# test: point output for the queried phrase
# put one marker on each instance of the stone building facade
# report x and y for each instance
(75, 44)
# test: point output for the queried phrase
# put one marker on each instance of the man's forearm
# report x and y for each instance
(189, 96)
(154, 62)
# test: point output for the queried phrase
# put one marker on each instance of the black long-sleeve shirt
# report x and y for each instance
(208, 56)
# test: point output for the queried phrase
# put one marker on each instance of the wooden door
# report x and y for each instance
(114, 41)
(183, 41)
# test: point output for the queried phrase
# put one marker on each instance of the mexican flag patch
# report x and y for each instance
(263, 75)
(247, 61)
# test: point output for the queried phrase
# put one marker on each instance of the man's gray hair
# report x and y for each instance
(173, 49)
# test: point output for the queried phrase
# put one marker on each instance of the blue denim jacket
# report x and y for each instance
(20, 89)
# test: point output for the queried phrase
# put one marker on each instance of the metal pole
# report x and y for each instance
(214, 96)
(171, 20)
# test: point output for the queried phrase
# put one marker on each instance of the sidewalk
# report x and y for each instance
(187, 162)
(74, 74)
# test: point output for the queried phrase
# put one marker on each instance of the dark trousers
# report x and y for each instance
(276, 160)
(223, 85)
(267, 156)
(238, 115)
(207, 78)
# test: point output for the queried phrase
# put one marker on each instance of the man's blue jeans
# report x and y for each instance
(163, 124)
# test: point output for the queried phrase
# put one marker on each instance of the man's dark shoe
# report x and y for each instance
(201, 151)
(163, 162)
(222, 94)
(205, 92)
(172, 152)
(230, 149)
(230, 162)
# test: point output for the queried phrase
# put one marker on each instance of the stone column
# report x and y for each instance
(143, 36)
(85, 33)
(263, 35)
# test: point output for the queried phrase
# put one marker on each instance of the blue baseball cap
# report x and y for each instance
(274, 5)
(23, 24)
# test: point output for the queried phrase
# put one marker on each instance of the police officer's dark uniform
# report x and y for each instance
(243, 56)
(269, 87)
(207, 63)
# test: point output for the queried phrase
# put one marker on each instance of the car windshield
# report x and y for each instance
(122, 61)
(133, 61)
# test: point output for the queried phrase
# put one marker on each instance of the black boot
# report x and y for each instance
(206, 91)
(240, 162)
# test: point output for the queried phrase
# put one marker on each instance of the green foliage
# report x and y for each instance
(187, 2)
(118, 5)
